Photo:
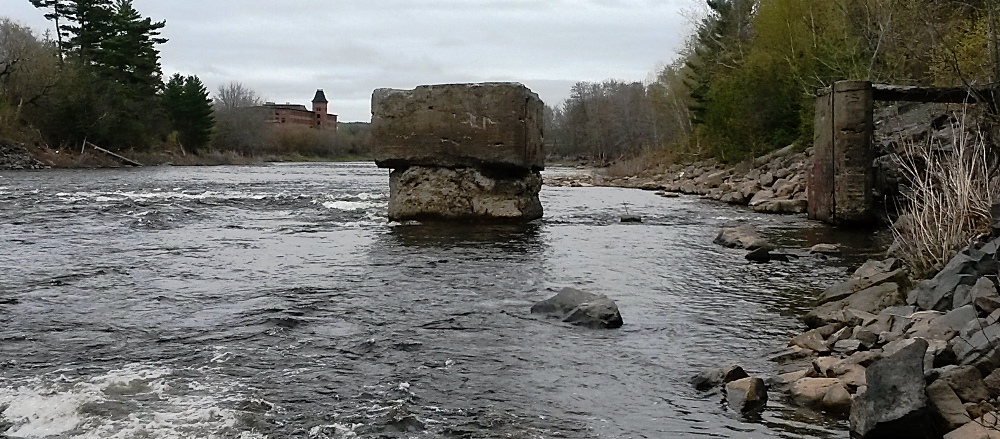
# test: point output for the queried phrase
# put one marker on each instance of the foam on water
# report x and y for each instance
(362, 201)
(134, 401)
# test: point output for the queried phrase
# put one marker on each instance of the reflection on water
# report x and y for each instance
(277, 301)
(509, 237)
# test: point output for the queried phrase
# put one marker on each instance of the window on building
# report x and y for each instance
(282, 120)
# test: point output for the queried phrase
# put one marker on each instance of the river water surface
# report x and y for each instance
(276, 301)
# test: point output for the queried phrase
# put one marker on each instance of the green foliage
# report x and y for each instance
(128, 53)
(105, 89)
(752, 67)
(189, 108)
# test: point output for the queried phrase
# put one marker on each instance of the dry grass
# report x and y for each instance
(948, 202)
(650, 161)
(73, 158)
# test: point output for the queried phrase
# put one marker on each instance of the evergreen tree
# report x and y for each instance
(718, 47)
(58, 10)
(189, 108)
(129, 55)
(90, 25)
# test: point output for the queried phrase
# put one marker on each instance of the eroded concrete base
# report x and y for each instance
(419, 192)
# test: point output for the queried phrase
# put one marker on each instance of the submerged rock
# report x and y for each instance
(581, 308)
(745, 237)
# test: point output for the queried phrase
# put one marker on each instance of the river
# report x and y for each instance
(276, 301)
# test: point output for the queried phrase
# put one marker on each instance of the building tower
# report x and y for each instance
(319, 109)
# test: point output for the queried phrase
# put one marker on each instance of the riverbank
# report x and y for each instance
(17, 156)
(899, 355)
(773, 183)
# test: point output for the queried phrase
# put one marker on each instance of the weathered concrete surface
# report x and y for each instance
(488, 125)
(841, 179)
(418, 192)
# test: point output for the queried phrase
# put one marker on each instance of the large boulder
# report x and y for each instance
(780, 205)
(984, 295)
(822, 393)
(978, 342)
(581, 308)
(419, 193)
(745, 237)
(967, 383)
(895, 404)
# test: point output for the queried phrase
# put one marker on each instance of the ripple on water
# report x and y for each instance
(277, 301)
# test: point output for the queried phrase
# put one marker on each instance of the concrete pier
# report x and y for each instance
(460, 151)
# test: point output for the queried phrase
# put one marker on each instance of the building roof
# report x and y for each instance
(298, 107)
(320, 97)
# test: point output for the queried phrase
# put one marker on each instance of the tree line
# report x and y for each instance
(745, 82)
(97, 79)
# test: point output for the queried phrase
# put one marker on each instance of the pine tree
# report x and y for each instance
(719, 40)
(186, 102)
(90, 24)
(129, 54)
(58, 10)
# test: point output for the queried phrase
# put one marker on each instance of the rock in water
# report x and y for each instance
(895, 404)
(745, 237)
(710, 378)
(746, 394)
(827, 249)
(582, 309)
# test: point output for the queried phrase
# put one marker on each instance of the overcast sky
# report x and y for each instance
(286, 49)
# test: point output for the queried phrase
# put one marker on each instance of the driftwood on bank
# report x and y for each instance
(124, 159)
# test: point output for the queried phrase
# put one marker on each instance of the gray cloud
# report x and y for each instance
(287, 49)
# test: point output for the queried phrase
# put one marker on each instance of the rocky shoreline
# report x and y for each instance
(897, 357)
(904, 362)
(774, 183)
(14, 156)
(900, 359)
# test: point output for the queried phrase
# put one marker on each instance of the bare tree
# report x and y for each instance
(28, 71)
(236, 95)
(239, 120)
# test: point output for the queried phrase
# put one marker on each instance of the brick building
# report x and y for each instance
(299, 115)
